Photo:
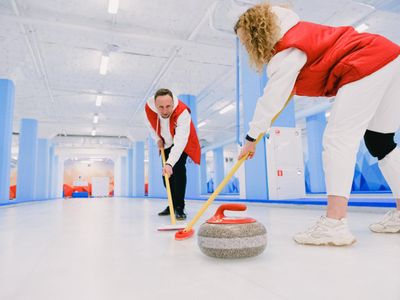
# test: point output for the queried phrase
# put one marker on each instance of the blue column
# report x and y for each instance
(315, 130)
(287, 117)
(203, 174)
(219, 169)
(137, 179)
(51, 162)
(124, 176)
(252, 85)
(53, 173)
(156, 187)
(129, 163)
(192, 170)
(190, 101)
(42, 170)
(26, 177)
(56, 178)
(6, 123)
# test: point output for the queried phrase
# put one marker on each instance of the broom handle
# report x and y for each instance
(220, 187)
(168, 187)
(229, 176)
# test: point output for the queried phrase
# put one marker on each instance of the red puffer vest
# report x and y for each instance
(335, 56)
(192, 148)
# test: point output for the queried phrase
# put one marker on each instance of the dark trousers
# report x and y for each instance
(177, 181)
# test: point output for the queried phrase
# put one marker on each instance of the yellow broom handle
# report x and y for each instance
(168, 188)
(220, 187)
(228, 177)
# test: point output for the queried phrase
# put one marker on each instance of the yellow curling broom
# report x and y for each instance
(189, 231)
(173, 225)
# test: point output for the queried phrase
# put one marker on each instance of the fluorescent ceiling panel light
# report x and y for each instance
(99, 100)
(113, 6)
(95, 119)
(362, 27)
(201, 124)
(94, 132)
(95, 159)
(220, 104)
(104, 64)
(226, 109)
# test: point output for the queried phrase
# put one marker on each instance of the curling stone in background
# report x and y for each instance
(231, 237)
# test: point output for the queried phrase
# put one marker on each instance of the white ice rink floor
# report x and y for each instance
(110, 249)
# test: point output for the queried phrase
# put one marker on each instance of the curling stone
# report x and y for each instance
(231, 237)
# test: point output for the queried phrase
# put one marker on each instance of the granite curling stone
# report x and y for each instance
(231, 237)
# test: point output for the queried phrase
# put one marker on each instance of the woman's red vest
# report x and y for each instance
(335, 56)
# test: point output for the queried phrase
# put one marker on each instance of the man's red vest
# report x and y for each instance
(192, 148)
(335, 56)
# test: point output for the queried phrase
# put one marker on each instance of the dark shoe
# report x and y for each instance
(165, 212)
(180, 215)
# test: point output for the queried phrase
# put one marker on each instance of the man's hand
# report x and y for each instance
(167, 170)
(249, 147)
(160, 144)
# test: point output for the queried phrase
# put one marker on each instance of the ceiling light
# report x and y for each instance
(226, 109)
(201, 124)
(95, 159)
(362, 27)
(99, 100)
(104, 64)
(113, 6)
(94, 132)
(95, 118)
(220, 104)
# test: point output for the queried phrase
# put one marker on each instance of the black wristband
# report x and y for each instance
(169, 165)
(250, 139)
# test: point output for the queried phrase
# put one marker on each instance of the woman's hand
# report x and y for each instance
(250, 148)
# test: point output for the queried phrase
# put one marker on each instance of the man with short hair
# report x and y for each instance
(173, 129)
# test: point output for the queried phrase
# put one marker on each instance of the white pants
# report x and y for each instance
(373, 103)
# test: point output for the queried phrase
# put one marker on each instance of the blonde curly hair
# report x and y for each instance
(259, 32)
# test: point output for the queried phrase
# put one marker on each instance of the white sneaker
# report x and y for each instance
(389, 224)
(326, 231)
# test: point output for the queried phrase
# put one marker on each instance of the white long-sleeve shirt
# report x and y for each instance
(182, 131)
(282, 72)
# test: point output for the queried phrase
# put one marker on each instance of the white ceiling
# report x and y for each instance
(51, 49)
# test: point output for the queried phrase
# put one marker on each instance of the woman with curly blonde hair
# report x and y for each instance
(259, 33)
(361, 70)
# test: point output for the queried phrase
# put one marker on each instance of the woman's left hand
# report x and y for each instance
(250, 148)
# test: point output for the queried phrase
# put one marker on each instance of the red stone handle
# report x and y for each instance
(219, 214)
